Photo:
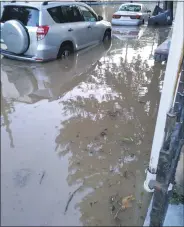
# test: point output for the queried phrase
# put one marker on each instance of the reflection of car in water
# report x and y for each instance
(125, 32)
(45, 81)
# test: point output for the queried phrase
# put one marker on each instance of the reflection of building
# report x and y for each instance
(7, 89)
(16, 87)
(5, 111)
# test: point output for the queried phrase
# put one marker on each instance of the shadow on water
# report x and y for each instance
(97, 113)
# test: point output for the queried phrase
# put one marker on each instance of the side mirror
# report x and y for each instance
(148, 11)
(100, 18)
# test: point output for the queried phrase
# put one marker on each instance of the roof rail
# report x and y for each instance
(46, 2)
(16, 1)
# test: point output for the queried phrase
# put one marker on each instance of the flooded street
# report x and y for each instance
(76, 136)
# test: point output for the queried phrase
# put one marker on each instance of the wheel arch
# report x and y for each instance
(106, 30)
(67, 42)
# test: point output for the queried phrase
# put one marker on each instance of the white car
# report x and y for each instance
(131, 14)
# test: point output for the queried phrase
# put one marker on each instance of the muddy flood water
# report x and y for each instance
(76, 136)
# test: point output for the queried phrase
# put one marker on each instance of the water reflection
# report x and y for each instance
(118, 99)
(106, 99)
(46, 81)
(125, 32)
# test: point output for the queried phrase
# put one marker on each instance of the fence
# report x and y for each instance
(169, 156)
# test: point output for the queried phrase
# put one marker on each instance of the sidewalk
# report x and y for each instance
(175, 215)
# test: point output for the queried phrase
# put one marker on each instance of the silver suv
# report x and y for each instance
(42, 31)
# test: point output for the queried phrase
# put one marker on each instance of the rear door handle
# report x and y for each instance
(70, 30)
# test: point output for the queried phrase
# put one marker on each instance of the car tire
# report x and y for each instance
(107, 36)
(107, 39)
(65, 51)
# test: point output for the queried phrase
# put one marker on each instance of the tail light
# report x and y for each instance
(135, 17)
(116, 16)
(42, 32)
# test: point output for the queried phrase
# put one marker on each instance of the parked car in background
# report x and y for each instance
(131, 14)
(42, 31)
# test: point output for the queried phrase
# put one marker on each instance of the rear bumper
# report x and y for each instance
(126, 22)
(10, 55)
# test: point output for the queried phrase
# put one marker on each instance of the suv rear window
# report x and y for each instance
(65, 14)
(27, 15)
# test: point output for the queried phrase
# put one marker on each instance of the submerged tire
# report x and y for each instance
(65, 51)
(107, 36)
(107, 39)
(66, 55)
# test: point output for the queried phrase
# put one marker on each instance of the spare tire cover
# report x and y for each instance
(15, 36)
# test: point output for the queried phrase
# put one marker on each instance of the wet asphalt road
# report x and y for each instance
(86, 124)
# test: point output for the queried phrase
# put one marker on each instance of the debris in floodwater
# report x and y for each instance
(114, 198)
(116, 205)
(126, 139)
(113, 114)
(92, 203)
(139, 203)
(90, 153)
(103, 133)
(22, 177)
(111, 169)
(70, 198)
(116, 215)
(125, 174)
(113, 208)
(126, 202)
(43, 174)
(142, 102)
(130, 158)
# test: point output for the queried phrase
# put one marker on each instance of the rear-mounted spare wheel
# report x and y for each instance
(15, 36)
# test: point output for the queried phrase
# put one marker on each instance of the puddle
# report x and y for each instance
(70, 123)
